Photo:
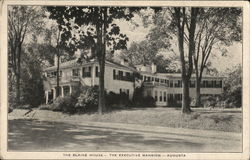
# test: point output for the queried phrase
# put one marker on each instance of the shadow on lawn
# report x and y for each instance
(33, 135)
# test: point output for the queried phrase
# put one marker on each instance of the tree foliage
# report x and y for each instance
(233, 87)
(22, 20)
(215, 27)
(101, 32)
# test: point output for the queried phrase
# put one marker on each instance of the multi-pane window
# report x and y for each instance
(124, 76)
(97, 71)
(167, 83)
(164, 96)
(54, 74)
(160, 96)
(218, 84)
(171, 83)
(156, 96)
(120, 75)
(162, 80)
(86, 71)
(178, 97)
(211, 84)
(114, 74)
(178, 84)
(192, 84)
(75, 72)
(170, 97)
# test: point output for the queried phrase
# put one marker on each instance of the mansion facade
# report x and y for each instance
(120, 77)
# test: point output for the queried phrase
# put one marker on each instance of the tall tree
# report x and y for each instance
(216, 27)
(185, 22)
(146, 52)
(106, 33)
(21, 21)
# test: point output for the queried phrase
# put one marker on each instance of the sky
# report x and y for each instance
(221, 63)
(137, 33)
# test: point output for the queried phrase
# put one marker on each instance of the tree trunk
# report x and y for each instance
(198, 91)
(185, 97)
(57, 75)
(18, 74)
(102, 56)
(101, 102)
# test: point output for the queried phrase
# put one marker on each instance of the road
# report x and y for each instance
(35, 135)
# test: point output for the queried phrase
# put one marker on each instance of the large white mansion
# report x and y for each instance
(119, 77)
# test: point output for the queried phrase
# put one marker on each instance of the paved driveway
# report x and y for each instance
(34, 135)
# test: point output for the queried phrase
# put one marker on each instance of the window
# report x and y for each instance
(148, 80)
(192, 84)
(75, 72)
(209, 84)
(167, 83)
(218, 84)
(170, 98)
(127, 92)
(125, 76)
(171, 83)
(120, 75)
(160, 96)
(96, 71)
(152, 79)
(156, 96)
(162, 80)
(66, 90)
(178, 97)
(164, 96)
(203, 84)
(54, 74)
(114, 74)
(86, 72)
(178, 84)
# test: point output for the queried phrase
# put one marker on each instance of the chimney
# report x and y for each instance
(124, 62)
(153, 68)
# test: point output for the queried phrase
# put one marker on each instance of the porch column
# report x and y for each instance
(46, 97)
(70, 89)
(54, 93)
(62, 91)
(93, 75)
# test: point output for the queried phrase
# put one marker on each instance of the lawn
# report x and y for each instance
(229, 120)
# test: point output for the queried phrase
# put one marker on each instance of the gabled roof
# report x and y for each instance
(74, 63)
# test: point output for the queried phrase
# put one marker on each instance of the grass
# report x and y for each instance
(221, 120)
(229, 120)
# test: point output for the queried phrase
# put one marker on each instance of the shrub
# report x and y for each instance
(233, 87)
(45, 107)
(137, 96)
(173, 103)
(65, 104)
(212, 101)
(26, 106)
(10, 109)
(148, 101)
(88, 99)
(12, 100)
(118, 100)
